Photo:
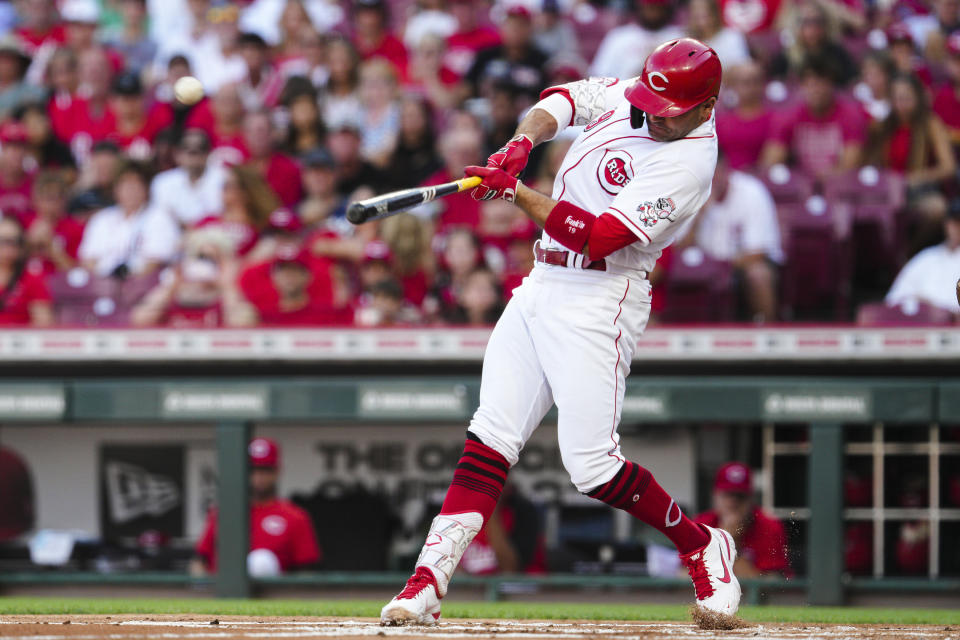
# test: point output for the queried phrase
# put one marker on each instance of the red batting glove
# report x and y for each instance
(496, 183)
(511, 157)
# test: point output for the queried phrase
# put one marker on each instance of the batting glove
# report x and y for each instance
(496, 182)
(511, 157)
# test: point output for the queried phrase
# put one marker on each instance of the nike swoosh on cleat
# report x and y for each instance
(726, 572)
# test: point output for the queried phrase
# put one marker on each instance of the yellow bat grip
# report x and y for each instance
(468, 183)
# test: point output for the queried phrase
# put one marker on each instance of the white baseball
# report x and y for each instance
(188, 90)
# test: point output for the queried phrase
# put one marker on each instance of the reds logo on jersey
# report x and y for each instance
(614, 170)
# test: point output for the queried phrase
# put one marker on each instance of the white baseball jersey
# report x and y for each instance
(653, 188)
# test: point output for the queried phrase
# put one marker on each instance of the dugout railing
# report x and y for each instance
(827, 404)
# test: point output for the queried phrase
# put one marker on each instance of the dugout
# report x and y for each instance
(862, 397)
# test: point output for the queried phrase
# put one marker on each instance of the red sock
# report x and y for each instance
(635, 491)
(477, 481)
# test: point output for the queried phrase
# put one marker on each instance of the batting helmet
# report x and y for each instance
(676, 77)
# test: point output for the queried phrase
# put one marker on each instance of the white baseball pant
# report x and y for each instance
(567, 336)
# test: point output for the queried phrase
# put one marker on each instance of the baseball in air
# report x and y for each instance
(188, 90)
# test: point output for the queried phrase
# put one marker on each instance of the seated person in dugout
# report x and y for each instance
(760, 537)
(282, 537)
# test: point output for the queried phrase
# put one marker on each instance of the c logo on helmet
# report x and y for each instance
(657, 74)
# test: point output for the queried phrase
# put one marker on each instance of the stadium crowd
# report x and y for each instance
(838, 124)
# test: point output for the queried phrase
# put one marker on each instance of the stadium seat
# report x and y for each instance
(816, 276)
(699, 288)
(878, 314)
(787, 186)
(83, 300)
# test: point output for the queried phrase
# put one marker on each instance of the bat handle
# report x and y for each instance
(468, 183)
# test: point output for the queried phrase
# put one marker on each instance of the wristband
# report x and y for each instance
(569, 225)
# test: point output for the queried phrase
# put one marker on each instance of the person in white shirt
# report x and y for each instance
(739, 225)
(705, 23)
(194, 189)
(931, 275)
(623, 49)
(133, 236)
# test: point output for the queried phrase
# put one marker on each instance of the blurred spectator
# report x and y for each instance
(516, 62)
(372, 37)
(53, 237)
(88, 118)
(823, 133)
(322, 207)
(429, 20)
(39, 24)
(946, 104)
(931, 276)
(282, 537)
(14, 91)
(24, 298)
(479, 302)
(624, 48)
(409, 240)
(303, 54)
(460, 256)
(815, 35)
(553, 33)
(100, 170)
(278, 21)
(913, 141)
(341, 101)
(743, 130)
(201, 291)
(873, 90)
(414, 157)
(752, 16)
(353, 172)
(279, 170)
(194, 189)
(930, 31)
(459, 148)
(16, 495)
(903, 52)
(760, 537)
(738, 224)
(133, 236)
(130, 122)
(131, 40)
(380, 115)
(512, 540)
(384, 306)
(222, 119)
(248, 202)
(261, 85)
(215, 55)
(45, 150)
(430, 76)
(15, 181)
(306, 130)
(705, 24)
(473, 34)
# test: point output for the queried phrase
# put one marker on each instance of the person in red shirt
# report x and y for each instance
(39, 25)
(280, 171)
(743, 130)
(16, 182)
(248, 202)
(88, 118)
(913, 141)
(761, 539)
(459, 148)
(277, 526)
(471, 36)
(222, 118)
(53, 237)
(946, 103)
(24, 297)
(822, 134)
(372, 37)
(135, 125)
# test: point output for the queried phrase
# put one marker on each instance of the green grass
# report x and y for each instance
(505, 610)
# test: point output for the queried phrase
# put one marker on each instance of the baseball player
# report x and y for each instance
(629, 186)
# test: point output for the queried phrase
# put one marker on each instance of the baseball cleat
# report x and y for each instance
(418, 603)
(711, 569)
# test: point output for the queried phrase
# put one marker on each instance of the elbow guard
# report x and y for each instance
(569, 225)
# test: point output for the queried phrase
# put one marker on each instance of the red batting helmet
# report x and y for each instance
(676, 77)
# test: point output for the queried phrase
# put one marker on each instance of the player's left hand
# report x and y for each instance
(497, 182)
(511, 157)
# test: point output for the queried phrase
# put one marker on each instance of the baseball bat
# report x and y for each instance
(396, 201)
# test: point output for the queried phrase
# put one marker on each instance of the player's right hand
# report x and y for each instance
(511, 158)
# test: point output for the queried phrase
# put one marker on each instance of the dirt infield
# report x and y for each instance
(240, 628)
